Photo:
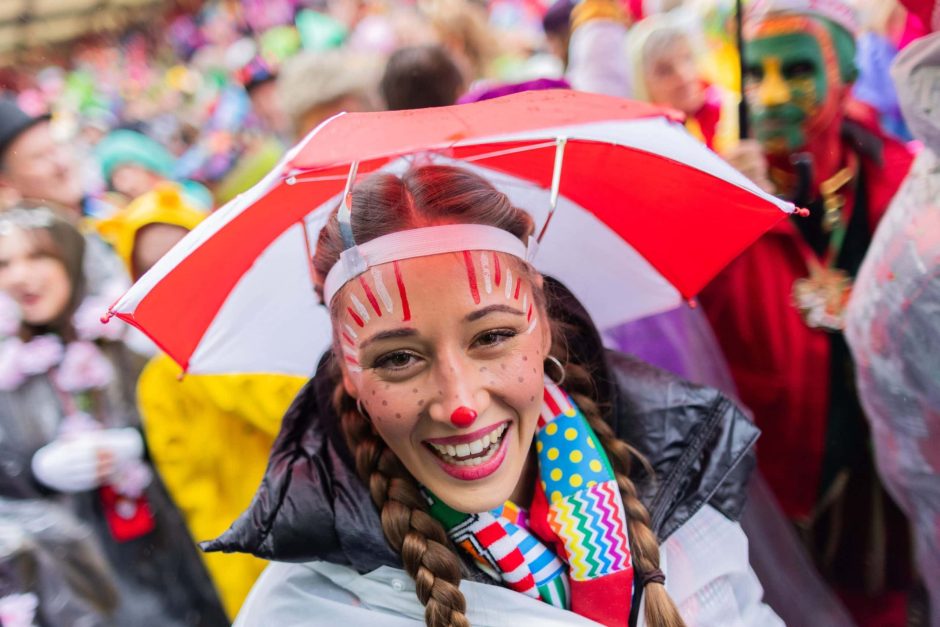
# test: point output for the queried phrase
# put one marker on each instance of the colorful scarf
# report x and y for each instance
(572, 549)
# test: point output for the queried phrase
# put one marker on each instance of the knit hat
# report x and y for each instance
(130, 147)
(13, 122)
(166, 204)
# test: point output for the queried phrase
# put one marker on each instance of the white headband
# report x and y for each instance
(422, 242)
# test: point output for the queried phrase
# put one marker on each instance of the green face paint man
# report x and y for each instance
(786, 87)
(798, 72)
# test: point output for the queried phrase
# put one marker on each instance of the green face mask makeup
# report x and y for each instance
(792, 81)
(786, 85)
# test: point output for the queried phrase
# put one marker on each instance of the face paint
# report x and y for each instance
(792, 81)
(402, 293)
(467, 349)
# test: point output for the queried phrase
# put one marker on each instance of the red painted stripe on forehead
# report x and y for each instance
(496, 267)
(352, 361)
(348, 339)
(528, 314)
(518, 287)
(355, 317)
(372, 300)
(406, 310)
(472, 277)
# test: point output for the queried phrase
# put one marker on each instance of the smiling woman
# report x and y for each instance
(481, 467)
(70, 444)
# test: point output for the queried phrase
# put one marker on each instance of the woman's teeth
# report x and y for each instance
(471, 453)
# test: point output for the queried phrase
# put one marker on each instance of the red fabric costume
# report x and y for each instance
(782, 366)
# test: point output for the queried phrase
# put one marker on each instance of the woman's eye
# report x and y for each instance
(492, 338)
(395, 361)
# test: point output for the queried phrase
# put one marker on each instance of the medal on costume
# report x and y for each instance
(822, 296)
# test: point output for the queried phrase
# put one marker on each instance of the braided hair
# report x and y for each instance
(426, 196)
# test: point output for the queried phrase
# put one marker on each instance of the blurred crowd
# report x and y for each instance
(112, 466)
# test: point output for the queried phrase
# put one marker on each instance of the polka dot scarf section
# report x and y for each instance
(572, 548)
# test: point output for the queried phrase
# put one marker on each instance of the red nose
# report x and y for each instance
(463, 417)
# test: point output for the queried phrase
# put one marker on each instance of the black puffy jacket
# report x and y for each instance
(312, 505)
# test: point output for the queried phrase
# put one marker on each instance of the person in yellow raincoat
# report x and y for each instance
(208, 435)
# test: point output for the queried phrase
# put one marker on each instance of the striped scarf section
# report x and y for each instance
(572, 550)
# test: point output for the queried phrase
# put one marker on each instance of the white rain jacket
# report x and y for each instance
(705, 563)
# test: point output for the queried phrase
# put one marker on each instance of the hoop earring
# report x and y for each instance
(561, 368)
(362, 411)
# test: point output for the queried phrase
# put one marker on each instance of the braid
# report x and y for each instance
(420, 539)
(660, 610)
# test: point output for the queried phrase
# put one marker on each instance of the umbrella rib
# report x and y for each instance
(293, 180)
(556, 184)
(507, 151)
(316, 179)
(313, 273)
(344, 215)
(487, 155)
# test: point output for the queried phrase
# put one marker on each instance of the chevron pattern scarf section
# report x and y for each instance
(573, 549)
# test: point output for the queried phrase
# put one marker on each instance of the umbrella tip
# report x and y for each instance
(692, 303)
(802, 212)
(105, 319)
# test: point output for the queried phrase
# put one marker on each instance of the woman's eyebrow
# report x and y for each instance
(479, 313)
(386, 335)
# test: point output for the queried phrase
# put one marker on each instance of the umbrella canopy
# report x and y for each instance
(645, 217)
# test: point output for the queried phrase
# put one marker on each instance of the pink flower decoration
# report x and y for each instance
(18, 610)
(133, 478)
(40, 354)
(84, 367)
(10, 374)
(76, 423)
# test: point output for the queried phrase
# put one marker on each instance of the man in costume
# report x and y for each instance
(778, 308)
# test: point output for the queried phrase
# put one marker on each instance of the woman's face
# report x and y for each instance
(37, 281)
(672, 78)
(445, 353)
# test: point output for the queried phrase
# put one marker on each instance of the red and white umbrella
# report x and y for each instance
(645, 216)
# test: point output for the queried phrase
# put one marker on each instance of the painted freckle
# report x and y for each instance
(398, 416)
(525, 358)
(531, 399)
(503, 366)
(414, 390)
(521, 379)
(384, 403)
(420, 402)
